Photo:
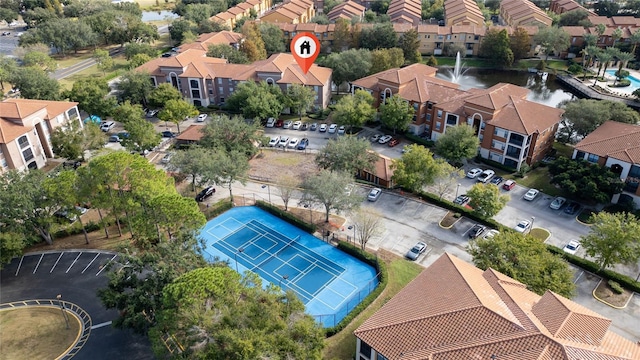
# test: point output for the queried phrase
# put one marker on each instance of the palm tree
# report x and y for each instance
(623, 58)
(592, 52)
(604, 58)
(635, 39)
(590, 39)
(616, 35)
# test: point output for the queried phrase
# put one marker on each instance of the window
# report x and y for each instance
(580, 155)
(153, 81)
(513, 152)
(439, 114)
(195, 94)
(429, 105)
(27, 154)
(452, 119)
(500, 132)
(270, 81)
(438, 125)
(210, 91)
(315, 88)
(380, 357)
(194, 83)
(516, 139)
(497, 144)
(482, 125)
(222, 100)
(428, 116)
(219, 81)
(365, 349)
(23, 142)
(593, 158)
(477, 37)
(220, 90)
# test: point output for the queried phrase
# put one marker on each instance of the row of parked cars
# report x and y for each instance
(285, 142)
(384, 139)
(303, 126)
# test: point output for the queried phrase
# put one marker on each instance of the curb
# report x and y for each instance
(606, 303)
(547, 230)
(448, 227)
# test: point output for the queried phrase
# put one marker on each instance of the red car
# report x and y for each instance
(394, 142)
(279, 123)
(508, 185)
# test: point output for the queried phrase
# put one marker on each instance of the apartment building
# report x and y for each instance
(563, 6)
(292, 12)
(405, 11)
(203, 80)
(25, 131)
(242, 10)
(462, 12)
(453, 310)
(348, 10)
(523, 13)
(216, 38)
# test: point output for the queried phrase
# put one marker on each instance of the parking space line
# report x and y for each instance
(38, 264)
(19, 265)
(97, 326)
(578, 278)
(73, 263)
(91, 262)
(54, 265)
(105, 265)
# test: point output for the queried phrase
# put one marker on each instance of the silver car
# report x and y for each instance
(416, 250)
(374, 194)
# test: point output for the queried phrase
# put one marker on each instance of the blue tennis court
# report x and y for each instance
(329, 282)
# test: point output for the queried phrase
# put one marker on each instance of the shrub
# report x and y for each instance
(574, 68)
(495, 164)
(286, 216)
(420, 141)
(615, 287)
(218, 208)
(621, 83)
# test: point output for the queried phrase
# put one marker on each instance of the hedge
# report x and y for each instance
(288, 217)
(383, 278)
(495, 164)
(420, 141)
(76, 229)
(218, 208)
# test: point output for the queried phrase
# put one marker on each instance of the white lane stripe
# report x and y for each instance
(105, 265)
(91, 262)
(97, 326)
(19, 265)
(38, 264)
(54, 265)
(73, 263)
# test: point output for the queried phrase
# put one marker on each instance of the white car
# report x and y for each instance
(202, 117)
(572, 247)
(271, 122)
(293, 143)
(474, 173)
(416, 250)
(557, 203)
(531, 194)
(296, 125)
(490, 234)
(323, 128)
(385, 139)
(485, 176)
(374, 194)
(341, 130)
(375, 138)
(274, 141)
(283, 141)
(522, 226)
(287, 124)
(332, 128)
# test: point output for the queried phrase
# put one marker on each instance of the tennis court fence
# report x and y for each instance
(331, 320)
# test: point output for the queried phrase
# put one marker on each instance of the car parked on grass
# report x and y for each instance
(474, 173)
(572, 208)
(333, 128)
(202, 117)
(572, 247)
(508, 185)
(461, 199)
(303, 144)
(293, 143)
(557, 203)
(485, 176)
(296, 125)
(416, 250)
(531, 194)
(393, 142)
(523, 226)
(385, 139)
(274, 141)
(497, 180)
(205, 193)
(476, 231)
(313, 127)
(374, 194)
(284, 140)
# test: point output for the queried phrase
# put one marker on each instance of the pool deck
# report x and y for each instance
(586, 89)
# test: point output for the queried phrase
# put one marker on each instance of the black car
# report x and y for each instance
(461, 199)
(205, 193)
(169, 134)
(304, 126)
(476, 231)
(572, 208)
(497, 180)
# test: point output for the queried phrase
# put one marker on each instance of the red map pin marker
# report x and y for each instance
(305, 48)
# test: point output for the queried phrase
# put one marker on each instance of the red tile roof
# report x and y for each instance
(615, 140)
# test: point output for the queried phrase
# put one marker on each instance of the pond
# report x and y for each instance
(158, 15)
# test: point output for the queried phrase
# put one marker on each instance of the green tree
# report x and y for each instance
(380, 36)
(135, 87)
(354, 110)
(300, 98)
(8, 67)
(196, 162)
(11, 245)
(385, 59)
(133, 49)
(66, 35)
(432, 61)
(348, 154)
(285, 186)
(573, 18)
(341, 35)
(257, 100)
(447, 179)
(176, 111)
(604, 58)
(39, 59)
(416, 168)
(72, 141)
(520, 43)
(458, 143)
(142, 134)
(8, 15)
(272, 37)
(139, 60)
(496, 47)
(348, 65)
(229, 167)
(233, 55)
(396, 113)
(328, 189)
(252, 320)
(159, 96)
(552, 39)
(253, 46)
(614, 239)
(91, 93)
(231, 134)
(582, 116)
(635, 39)
(623, 59)
(410, 45)
(103, 60)
(35, 84)
(524, 259)
(486, 200)
(584, 180)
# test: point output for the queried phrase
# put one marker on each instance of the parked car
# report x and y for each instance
(287, 124)
(152, 113)
(71, 216)
(304, 126)
(114, 139)
(497, 180)
(416, 250)
(333, 128)
(205, 193)
(202, 117)
(107, 126)
(271, 122)
(323, 128)
(531, 194)
(374, 194)
(474, 173)
(341, 130)
(385, 139)
(476, 231)
(166, 158)
(490, 234)
(393, 142)
(509, 184)
(169, 134)
(296, 125)
(313, 127)
(123, 135)
(557, 203)
(303, 144)
(485, 176)
(293, 143)
(375, 137)
(522, 226)
(283, 141)
(274, 141)
(572, 208)
(279, 123)
(72, 164)
(572, 247)
(462, 199)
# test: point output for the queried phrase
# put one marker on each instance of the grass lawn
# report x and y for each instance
(36, 333)
(563, 149)
(120, 66)
(540, 234)
(585, 215)
(538, 179)
(468, 62)
(401, 272)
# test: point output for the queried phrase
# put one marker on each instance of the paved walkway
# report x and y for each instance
(586, 90)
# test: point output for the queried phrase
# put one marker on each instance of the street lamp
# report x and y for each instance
(354, 231)
(269, 190)
(457, 188)
(64, 314)
(533, 218)
(235, 256)
(284, 277)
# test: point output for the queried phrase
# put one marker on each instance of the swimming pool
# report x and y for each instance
(635, 83)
